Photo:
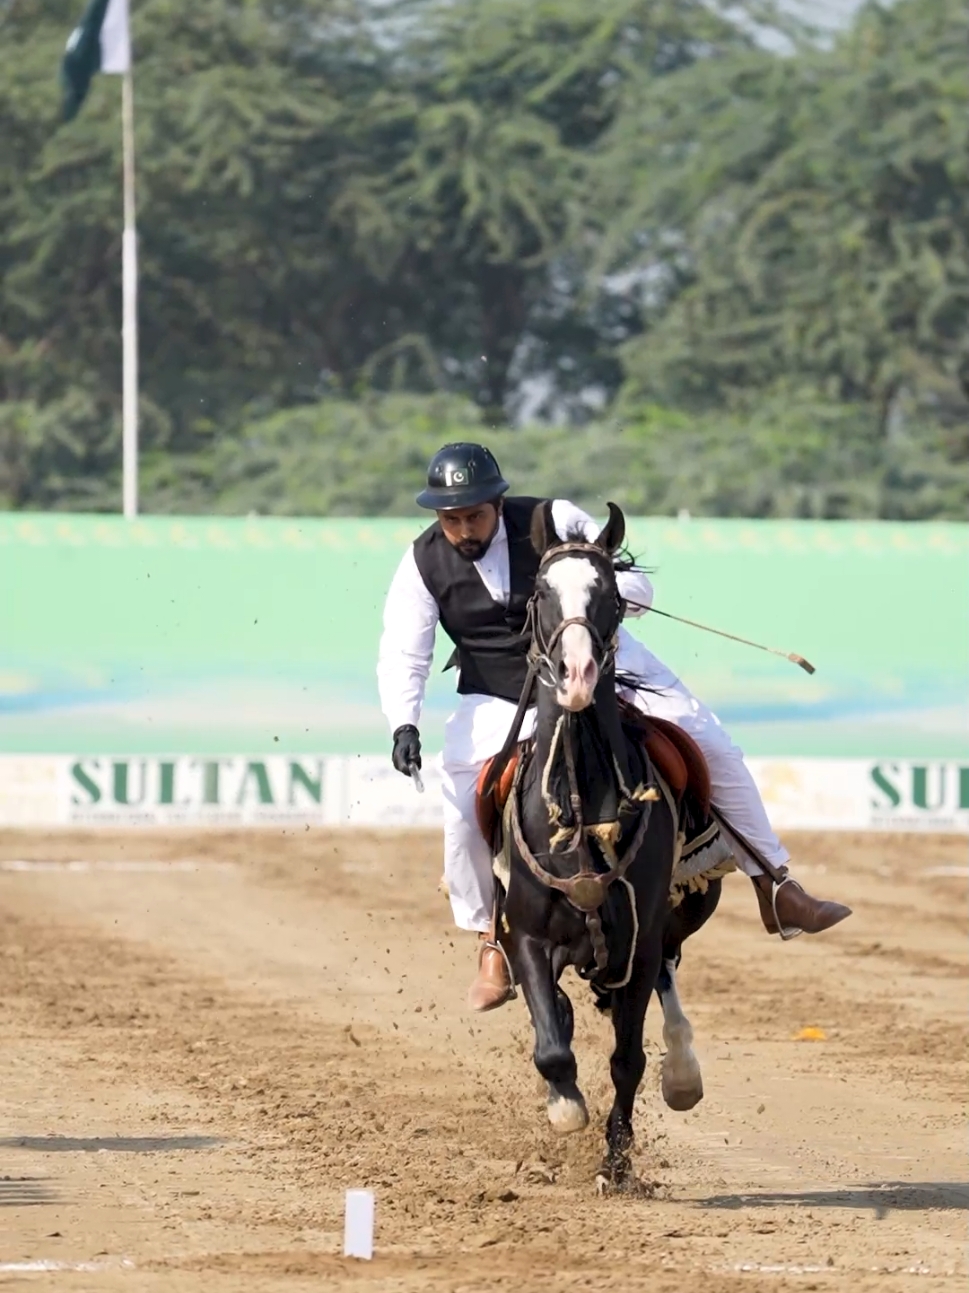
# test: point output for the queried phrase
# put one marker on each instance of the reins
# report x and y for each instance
(586, 890)
(539, 658)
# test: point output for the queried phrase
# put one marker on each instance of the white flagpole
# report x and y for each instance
(129, 306)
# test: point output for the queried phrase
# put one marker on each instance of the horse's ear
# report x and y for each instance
(543, 528)
(614, 530)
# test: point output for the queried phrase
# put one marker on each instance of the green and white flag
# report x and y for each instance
(99, 43)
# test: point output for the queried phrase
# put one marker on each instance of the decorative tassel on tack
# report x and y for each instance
(606, 835)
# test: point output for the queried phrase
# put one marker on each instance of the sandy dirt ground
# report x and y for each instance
(205, 1039)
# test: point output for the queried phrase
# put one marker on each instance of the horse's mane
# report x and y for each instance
(623, 560)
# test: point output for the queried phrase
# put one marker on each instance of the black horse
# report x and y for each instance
(589, 844)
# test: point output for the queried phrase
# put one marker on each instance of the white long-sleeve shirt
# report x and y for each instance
(411, 614)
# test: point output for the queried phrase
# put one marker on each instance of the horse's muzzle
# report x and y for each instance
(577, 689)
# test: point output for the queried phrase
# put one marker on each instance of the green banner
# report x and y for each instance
(260, 635)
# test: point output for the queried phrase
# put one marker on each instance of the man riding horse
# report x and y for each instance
(473, 572)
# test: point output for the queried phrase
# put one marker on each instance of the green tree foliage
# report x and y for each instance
(805, 220)
(512, 100)
(368, 457)
(366, 228)
(251, 203)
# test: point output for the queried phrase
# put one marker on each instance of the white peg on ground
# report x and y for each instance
(358, 1224)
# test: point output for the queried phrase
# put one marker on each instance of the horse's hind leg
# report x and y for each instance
(628, 1064)
(551, 1013)
(680, 1069)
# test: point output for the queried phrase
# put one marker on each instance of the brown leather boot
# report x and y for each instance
(793, 909)
(492, 985)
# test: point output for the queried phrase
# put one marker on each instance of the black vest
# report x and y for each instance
(490, 650)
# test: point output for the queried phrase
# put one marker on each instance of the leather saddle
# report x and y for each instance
(673, 752)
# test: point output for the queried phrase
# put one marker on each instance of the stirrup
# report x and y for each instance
(789, 931)
(494, 945)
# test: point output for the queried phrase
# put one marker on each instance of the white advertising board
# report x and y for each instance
(365, 791)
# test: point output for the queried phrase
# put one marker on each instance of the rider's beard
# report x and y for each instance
(472, 549)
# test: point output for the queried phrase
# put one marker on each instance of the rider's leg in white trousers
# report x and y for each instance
(467, 857)
(734, 791)
(474, 732)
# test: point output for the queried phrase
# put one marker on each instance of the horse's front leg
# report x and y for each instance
(628, 1064)
(551, 1014)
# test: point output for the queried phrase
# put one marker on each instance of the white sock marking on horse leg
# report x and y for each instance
(681, 1077)
(567, 1116)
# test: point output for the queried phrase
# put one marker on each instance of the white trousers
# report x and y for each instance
(477, 730)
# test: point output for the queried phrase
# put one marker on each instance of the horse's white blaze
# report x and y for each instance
(681, 1078)
(573, 579)
(567, 1116)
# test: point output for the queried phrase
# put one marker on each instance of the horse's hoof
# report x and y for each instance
(683, 1093)
(614, 1176)
(567, 1116)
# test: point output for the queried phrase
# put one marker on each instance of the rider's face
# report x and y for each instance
(471, 529)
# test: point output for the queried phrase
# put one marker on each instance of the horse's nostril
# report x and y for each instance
(589, 672)
(563, 671)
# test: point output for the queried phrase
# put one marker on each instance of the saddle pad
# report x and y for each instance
(667, 760)
(488, 808)
(697, 772)
(683, 766)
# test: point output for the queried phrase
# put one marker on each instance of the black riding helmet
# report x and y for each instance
(462, 475)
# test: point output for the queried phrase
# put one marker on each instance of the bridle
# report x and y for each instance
(539, 656)
(540, 651)
(586, 890)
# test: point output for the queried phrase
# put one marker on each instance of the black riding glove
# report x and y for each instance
(407, 749)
